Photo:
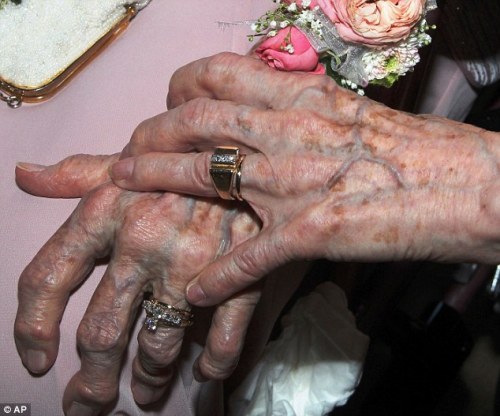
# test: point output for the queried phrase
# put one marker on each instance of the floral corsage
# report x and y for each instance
(356, 42)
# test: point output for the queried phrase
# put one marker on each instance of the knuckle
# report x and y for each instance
(156, 353)
(251, 264)
(195, 114)
(35, 331)
(247, 264)
(200, 168)
(218, 68)
(93, 205)
(218, 367)
(138, 139)
(140, 233)
(29, 283)
(241, 306)
(101, 333)
(325, 85)
(93, 211)
(317, 89)
(143, 169)
(98, 391)
(227, 351)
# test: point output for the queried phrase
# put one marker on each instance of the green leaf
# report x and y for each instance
(387, 82)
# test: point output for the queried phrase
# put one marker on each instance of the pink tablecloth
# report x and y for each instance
(96, 114)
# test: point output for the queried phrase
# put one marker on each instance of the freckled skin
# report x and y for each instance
(328, 174)
(390, 236)
(407, 185)
(157, 243)
(313, 148)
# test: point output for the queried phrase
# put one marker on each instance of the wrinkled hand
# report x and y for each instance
(329, 173)
(157, 243)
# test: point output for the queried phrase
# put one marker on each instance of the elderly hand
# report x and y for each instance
(157, 243)
(329, 173)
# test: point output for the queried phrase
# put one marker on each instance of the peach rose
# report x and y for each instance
(304, 57)
(373, 22)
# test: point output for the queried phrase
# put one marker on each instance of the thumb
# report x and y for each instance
(244, 266)
(70, 178)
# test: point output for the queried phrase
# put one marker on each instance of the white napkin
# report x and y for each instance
(314, 366)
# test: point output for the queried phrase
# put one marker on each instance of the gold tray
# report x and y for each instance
(15, 95)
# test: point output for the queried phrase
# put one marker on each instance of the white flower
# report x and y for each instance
(254, 27)
(316, 25)
(399, 59)
(273, 24)
(289, 48)
(306, 3)
(292, 7)
(284, 24)
(272, 33)
(307, 16)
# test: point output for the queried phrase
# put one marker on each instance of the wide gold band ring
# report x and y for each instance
(225, 171)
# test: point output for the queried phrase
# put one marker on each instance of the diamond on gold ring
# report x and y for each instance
(163, 314)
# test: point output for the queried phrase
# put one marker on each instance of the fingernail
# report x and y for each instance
(195, 293)
(36, 361)
(144, 394)
(79, 409)
(30, 167)
(122, 170)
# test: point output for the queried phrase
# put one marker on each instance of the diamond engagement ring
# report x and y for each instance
(163, 314)
(225, 171)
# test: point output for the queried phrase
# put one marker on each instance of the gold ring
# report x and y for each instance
(163, 314)
(236, 191)
(225, 171)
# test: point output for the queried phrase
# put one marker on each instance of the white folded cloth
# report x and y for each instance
(314, 365)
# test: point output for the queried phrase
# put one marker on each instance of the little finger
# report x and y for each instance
(226, 336)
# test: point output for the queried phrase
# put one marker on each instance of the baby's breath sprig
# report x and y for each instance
(387, 66)
(284, 16)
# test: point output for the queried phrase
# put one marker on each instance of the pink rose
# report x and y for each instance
(304, 57)
(373, 22)
(312, 5)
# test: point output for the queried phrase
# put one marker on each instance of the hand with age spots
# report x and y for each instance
(329, 173)
(157, 242)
